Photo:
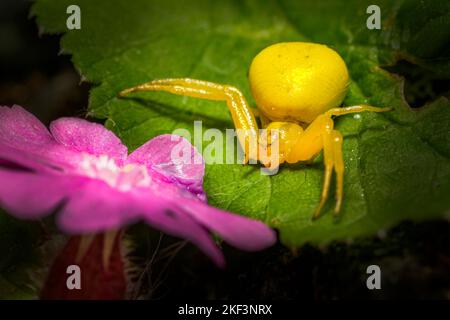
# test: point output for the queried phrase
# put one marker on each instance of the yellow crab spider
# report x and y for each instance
(298, 87)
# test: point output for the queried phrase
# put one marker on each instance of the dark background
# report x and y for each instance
(414, 258)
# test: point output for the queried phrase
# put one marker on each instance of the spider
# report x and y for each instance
(298, 87)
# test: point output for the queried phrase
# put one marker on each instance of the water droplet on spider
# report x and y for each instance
(357, 116)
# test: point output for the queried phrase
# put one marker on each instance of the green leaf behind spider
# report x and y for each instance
(397, 163)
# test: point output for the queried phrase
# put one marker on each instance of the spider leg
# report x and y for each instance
(242, 115)
(337, 147)
(354, 109)
(320, 135)
(333, 159)
(332, 148)
(337, 139)
(328, 159)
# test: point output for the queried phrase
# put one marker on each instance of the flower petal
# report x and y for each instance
(173, 157)
(241, 232)
(30, 195)
(96, 207)
(173, 219)
(13, 158)
(22, 130)
(84, 136)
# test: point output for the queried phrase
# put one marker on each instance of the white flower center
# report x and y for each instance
(123, 178)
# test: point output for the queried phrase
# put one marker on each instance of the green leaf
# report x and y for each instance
(397, 163)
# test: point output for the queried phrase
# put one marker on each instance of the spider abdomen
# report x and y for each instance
(297, 81)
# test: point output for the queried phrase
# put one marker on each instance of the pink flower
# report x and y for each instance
(84, 171)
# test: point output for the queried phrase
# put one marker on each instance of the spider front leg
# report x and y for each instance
(333, 159)
(321, 135)
(243, 118)
(318, 136)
